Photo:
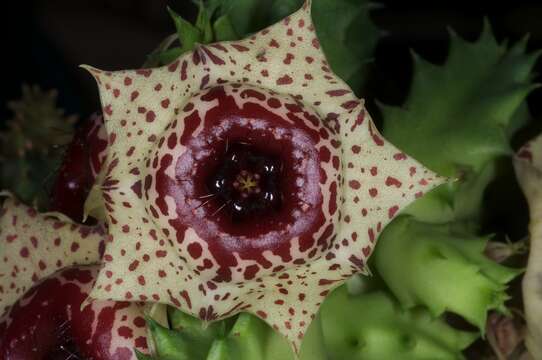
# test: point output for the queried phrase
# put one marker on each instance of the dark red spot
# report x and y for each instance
(274, 103)
(325, 154)
(392, 211)
(183, 70)
(250, 93)
(239, 48)
(136, 188)
(250, 271)
(340, 92)
(284, 80)
(391, 181)
(172, 141)
(125, 332)
(186, 297)
(323, 282)
(195, 250)
(333, 198)
(141, 280)
(150, 116)
(354, 184)
(288, 59)
(173, 66)
(349, 105)
(133, 265)
(377, 139)
(204, 81)
(24, 252)
(145, 72)
(371, 234)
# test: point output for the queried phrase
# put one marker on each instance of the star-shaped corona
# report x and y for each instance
(245, 176)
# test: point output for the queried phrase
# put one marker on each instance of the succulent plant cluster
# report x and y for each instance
(239, 185)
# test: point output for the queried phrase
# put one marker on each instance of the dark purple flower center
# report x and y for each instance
(246, 182)
(64, 351)
(64, 347)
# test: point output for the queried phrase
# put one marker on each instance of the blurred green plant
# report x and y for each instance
(31, 144)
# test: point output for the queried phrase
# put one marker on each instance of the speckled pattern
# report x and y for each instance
(34, 245)
(154, 116)
(102, 330)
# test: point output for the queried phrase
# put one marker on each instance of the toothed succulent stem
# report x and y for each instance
(447, 271)
(460, 130)
(31, 146)
(373, 326)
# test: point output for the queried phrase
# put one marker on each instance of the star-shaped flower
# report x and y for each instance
(324, 183)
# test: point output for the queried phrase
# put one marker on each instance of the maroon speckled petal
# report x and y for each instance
(34, 245)
(51, 313)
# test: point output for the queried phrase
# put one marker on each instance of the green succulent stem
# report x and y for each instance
(447, 270)
(31, 145)
(373, 326)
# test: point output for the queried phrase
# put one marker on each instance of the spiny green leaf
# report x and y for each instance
(434, 266)
(372, 326)
(203, 23)
(223, 29)
(247, 16)
(252, 339)
(174, 345)
(458, 115)
(194, 328)
(349, 42)
(460, 200)
(244, 337)
(188, 34)
(167, 56)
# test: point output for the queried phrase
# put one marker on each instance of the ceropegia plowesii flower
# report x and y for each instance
(528, 166)
(245, 176)
(34, 245)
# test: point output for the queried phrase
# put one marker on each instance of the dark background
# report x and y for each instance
(46, 40)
